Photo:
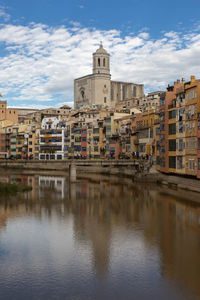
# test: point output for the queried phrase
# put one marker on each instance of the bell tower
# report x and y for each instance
(101, 61)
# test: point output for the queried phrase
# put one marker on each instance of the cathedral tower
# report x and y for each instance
(101, 61)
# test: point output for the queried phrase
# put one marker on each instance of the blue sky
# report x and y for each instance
(45, 44)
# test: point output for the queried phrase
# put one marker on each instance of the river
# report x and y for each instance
(98, 238)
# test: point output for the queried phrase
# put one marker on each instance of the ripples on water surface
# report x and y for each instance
(97, 240)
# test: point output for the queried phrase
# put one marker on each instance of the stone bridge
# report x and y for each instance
(112, 167)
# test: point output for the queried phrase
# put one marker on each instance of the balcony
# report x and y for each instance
(50, 131)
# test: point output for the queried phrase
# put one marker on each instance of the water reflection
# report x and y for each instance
(97, 240)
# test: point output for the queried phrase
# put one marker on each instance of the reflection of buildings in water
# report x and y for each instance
(56, 183)
(97, 208)
(171, 226)
(97, 235)
(179, 242)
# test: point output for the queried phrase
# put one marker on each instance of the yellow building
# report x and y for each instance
(192, 102)
(147, 134)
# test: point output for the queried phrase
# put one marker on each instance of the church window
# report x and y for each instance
(104, 99)
(134, 91)
(124, 92)
(104, 62)
(111, 96)
(98, 62)
(82, 94)
(104, 85)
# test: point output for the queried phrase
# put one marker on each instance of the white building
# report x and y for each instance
(52, 139)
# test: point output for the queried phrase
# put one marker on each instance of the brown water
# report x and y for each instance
(97, 240)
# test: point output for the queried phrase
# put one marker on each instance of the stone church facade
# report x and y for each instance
(98, 90)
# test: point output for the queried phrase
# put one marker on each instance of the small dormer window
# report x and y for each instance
(99, 62)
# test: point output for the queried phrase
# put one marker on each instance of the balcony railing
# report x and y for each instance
(52, 131)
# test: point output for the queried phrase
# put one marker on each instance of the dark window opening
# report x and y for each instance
(172, 162)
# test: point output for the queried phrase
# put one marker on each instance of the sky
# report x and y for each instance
(46, 44)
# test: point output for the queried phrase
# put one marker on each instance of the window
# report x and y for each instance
(162, 126)
(191, 164)
(30, 149)
(192, 143)
(95, 139)
(172, 162)
(96, 148)
(30, 143)
(172, 128)
(59, 156)
(95, 130)
(83, 149)
(181, 145)
(84, 139)
(198, 143)
(134, 91)
(77, 139)
(124, 92)
(191, 95)
(162, 100)
(172, 145)
(157, 131)
(108, 128)
(104, 99)
(172, 114)
(198, 163)
(142, 148)
(84, 131)
(99, 62)
(77, 148)
(104, 62)
(179, 162)
(181, 127)
(111, 93)
(162, 116)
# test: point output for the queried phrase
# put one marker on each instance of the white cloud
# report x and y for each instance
(40, 62)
